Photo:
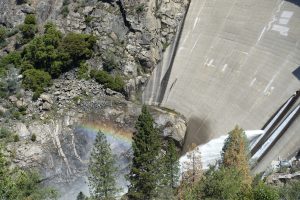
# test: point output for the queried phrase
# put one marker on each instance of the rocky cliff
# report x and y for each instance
(134, 32)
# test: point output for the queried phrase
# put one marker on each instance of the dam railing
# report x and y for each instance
(276, 127)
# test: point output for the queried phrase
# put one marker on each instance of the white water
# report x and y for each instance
(211, 151)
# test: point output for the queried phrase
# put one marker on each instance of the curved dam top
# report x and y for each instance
(236, 63)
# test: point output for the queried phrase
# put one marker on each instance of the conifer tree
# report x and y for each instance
(81, 196)
(171, 161)
(169, 170)
(102, 169)
(235, 154)
(145, 175)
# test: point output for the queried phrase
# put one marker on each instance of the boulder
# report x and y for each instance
(22, 130)
(46, 106)
(110, 92)
(13, 99)
(46, 98)
(2, 109)
(20, 104)
(28, 9)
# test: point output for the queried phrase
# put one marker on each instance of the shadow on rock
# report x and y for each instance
(198, 132)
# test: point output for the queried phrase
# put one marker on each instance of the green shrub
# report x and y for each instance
(36, 80)
(118, 84)
(265, 192)
(78, 46)
(28, 32)
(88, 19)
(4, 133)
(28, 29)
(22, 110)
(19, 2)
(140, 8)
(110, 62)
(13, 58)
(56, 54)
(30, 19)
(3, 89)
(26, 65)
(33, 137)
(36, 95)
(2, 33)
(291, 190)
(66, 2)
(115, 83)
(12, 32)
(16, 114)
(76, 99)
(83, 71)
(42, 53)
(65, 11)
(16, 138)
(223, 183)
(9, 82)
(19, 184)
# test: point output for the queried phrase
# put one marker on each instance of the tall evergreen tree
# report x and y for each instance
(102, 169)
(235, 154)
(145, 174)
(81, 196)
(171, 161)
(169, 172)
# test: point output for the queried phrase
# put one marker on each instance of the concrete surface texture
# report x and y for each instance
(237, 61)
(284, 148)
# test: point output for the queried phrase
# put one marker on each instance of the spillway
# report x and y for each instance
(236, 62)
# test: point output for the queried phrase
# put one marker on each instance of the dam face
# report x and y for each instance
(236, 63)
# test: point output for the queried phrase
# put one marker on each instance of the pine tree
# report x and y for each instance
(171, 165)
(81, 196)
(102, 169)
(145, 175)
(169, 172)
(235, 154)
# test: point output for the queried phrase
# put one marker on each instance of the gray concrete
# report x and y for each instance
(233, 65)
(284, 148)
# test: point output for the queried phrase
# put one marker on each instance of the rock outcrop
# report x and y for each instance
(134, 33)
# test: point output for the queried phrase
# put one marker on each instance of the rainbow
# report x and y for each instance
(109, 129)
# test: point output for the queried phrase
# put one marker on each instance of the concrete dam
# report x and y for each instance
(233, 62)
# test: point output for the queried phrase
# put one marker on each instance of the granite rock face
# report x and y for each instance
(134, 32)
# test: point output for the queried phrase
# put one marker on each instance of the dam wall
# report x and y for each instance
(236, 63)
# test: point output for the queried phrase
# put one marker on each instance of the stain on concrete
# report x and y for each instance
(198, 132)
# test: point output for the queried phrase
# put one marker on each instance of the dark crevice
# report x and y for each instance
(123, 13)
(165, 80)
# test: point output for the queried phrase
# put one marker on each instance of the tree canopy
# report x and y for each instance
(17, 184)
(144, 176)
(102, 170)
